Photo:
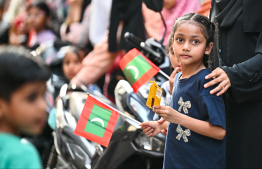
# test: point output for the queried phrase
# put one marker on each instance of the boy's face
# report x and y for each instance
(26, 110)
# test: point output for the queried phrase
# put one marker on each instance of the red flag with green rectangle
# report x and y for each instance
(97, 121)
(137, 68)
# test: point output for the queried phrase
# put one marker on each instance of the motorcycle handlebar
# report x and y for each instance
(137, 42)
(131, 38)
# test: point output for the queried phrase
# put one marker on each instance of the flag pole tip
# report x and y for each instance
(88, 94)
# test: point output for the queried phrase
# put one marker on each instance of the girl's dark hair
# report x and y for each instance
(75, 49)
(18, 67)
(207, 28)
(41, 5)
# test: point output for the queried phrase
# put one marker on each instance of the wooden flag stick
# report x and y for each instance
(130, 118)
(160, 71)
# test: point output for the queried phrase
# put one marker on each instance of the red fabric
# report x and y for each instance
(144, 78)
(90, 102)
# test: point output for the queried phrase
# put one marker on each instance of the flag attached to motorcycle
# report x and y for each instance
(97, 121)
(137, 68)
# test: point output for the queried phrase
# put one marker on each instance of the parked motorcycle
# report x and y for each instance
(129, 146)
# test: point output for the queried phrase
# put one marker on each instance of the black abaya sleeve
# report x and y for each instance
(245, 77)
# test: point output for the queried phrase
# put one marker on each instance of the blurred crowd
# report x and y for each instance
(93, 31)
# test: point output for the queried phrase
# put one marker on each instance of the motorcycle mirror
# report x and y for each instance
(155, 5)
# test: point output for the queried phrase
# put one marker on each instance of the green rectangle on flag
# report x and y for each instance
(136, 68)
(98, 120)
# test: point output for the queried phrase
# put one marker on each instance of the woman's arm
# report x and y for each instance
(245, 77)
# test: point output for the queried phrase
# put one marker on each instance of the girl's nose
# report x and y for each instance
(186, 47)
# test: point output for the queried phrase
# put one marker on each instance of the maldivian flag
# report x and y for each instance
(97, 121)
(137, 68)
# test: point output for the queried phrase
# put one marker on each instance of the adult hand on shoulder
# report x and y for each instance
(219, 76)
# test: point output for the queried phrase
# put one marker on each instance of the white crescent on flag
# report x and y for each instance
(98, 120)
(135, 69)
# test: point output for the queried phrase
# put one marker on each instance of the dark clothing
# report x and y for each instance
(4, 32)
(241, 53)
(188, 149)
(130, 12)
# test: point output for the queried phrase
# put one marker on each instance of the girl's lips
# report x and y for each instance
(185, 56)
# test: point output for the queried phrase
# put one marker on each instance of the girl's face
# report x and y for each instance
(26, 110)
(71, 65)
(190, 45)
(36, 19)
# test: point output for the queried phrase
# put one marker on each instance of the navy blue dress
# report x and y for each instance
(185, 148)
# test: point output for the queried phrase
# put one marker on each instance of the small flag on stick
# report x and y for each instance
(137, 68)
(97, 121)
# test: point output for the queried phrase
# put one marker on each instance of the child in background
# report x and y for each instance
(197, 127)
(38, 17)
(72, 62)
(22, 106)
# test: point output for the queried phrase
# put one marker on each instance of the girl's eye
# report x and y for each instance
(179, 40)
(195, 42)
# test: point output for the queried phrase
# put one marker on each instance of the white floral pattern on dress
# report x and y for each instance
(183, 104)
(183, 133)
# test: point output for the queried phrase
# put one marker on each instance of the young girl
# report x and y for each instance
(195, 134)
(22, 106)
(38, 16)
(72, 62)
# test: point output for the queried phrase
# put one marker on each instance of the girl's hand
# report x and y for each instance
(163, 131)
(219, 76)
(167, 113)
(172, 78)
(160, 121)
(151, 128)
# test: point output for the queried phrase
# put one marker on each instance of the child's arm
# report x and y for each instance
(198, 126)
(152, 128)
(172, 78)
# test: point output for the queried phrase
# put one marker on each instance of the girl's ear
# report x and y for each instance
(209, 48)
